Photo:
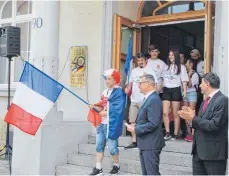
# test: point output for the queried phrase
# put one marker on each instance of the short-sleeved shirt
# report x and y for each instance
(158, 67)
(172, 79)
(195, 82)
(104, 99)
(200, 68)
(135, 75)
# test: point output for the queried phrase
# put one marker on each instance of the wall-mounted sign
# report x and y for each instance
(78, 66)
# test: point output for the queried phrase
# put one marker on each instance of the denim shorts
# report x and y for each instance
(191, 97)
(101, 139)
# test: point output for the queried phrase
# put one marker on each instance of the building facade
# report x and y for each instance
(49, 31)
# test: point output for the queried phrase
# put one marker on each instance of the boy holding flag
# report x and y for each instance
(109, 127)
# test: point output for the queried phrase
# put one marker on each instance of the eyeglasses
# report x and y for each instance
(140, 82)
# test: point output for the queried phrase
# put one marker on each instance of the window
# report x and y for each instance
(153, 8)
(24, 7)
(16, 13)
(181, 6)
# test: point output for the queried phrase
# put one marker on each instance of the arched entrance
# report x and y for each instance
(161, 13)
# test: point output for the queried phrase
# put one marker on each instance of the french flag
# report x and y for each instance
(34, 97)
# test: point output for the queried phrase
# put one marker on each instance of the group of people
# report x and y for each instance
(154, 87)
(177, 84)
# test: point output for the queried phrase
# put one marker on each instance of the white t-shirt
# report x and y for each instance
(200, 68)
(195, 81)
(158, 67)
(135, 75)
(171, 79)
(104, 99)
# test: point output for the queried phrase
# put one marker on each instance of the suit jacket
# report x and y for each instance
(211, 130)
(148, 127)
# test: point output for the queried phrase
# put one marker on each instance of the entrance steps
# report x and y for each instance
(175, 159)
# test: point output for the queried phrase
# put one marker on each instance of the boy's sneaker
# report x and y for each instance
(96, 171)
(115, 170)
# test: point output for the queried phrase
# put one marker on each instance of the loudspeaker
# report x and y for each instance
(9, 41)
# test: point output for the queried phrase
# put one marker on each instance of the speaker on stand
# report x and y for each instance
(9, 48)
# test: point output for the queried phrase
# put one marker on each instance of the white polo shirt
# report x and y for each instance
(135, 75)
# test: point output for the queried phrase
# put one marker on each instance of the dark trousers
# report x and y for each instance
(150, 162)
(204, 167)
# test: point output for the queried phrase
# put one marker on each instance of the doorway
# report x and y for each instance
(165, 12)
(183, 37)
(178, 25)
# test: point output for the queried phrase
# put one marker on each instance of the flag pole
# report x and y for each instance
(65, 88)
(128, 77)
(128, 60)
(75, 95)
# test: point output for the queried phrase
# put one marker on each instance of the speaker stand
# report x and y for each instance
(7, 147)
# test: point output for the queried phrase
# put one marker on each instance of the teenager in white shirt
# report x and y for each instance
(191, 98)
(157, 65)
(137, 97)
(174, 76)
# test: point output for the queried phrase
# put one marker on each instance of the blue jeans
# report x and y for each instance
(191, 97)
(101, 140)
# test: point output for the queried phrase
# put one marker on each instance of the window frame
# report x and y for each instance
(14, 20)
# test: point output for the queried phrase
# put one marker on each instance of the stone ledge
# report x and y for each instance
(4, 90)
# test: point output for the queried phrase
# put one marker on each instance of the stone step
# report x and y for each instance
(69, 169)
(179, 146)
(122, 141)
(127, 165)
(4, 167)
(178, 159)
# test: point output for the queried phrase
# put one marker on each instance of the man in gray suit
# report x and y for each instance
(210, 143)
(148, 128)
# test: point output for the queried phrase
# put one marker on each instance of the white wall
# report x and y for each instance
(40, 155)
(127, 9)
(80, 25)
(220, 65)
(64, 138)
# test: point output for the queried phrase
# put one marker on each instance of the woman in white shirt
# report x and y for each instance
(191, 98)
(174, 77)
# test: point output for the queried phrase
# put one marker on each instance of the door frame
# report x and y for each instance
(190, 15)
(117, 55)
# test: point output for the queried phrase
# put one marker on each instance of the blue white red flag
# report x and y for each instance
(34, 97)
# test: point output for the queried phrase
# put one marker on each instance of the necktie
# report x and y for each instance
(205, 104)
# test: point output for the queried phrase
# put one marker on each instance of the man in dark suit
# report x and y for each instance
(210, 143)
(148, 129)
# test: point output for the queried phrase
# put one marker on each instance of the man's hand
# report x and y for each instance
(131, 128)
(103, 113)
(187, 113)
